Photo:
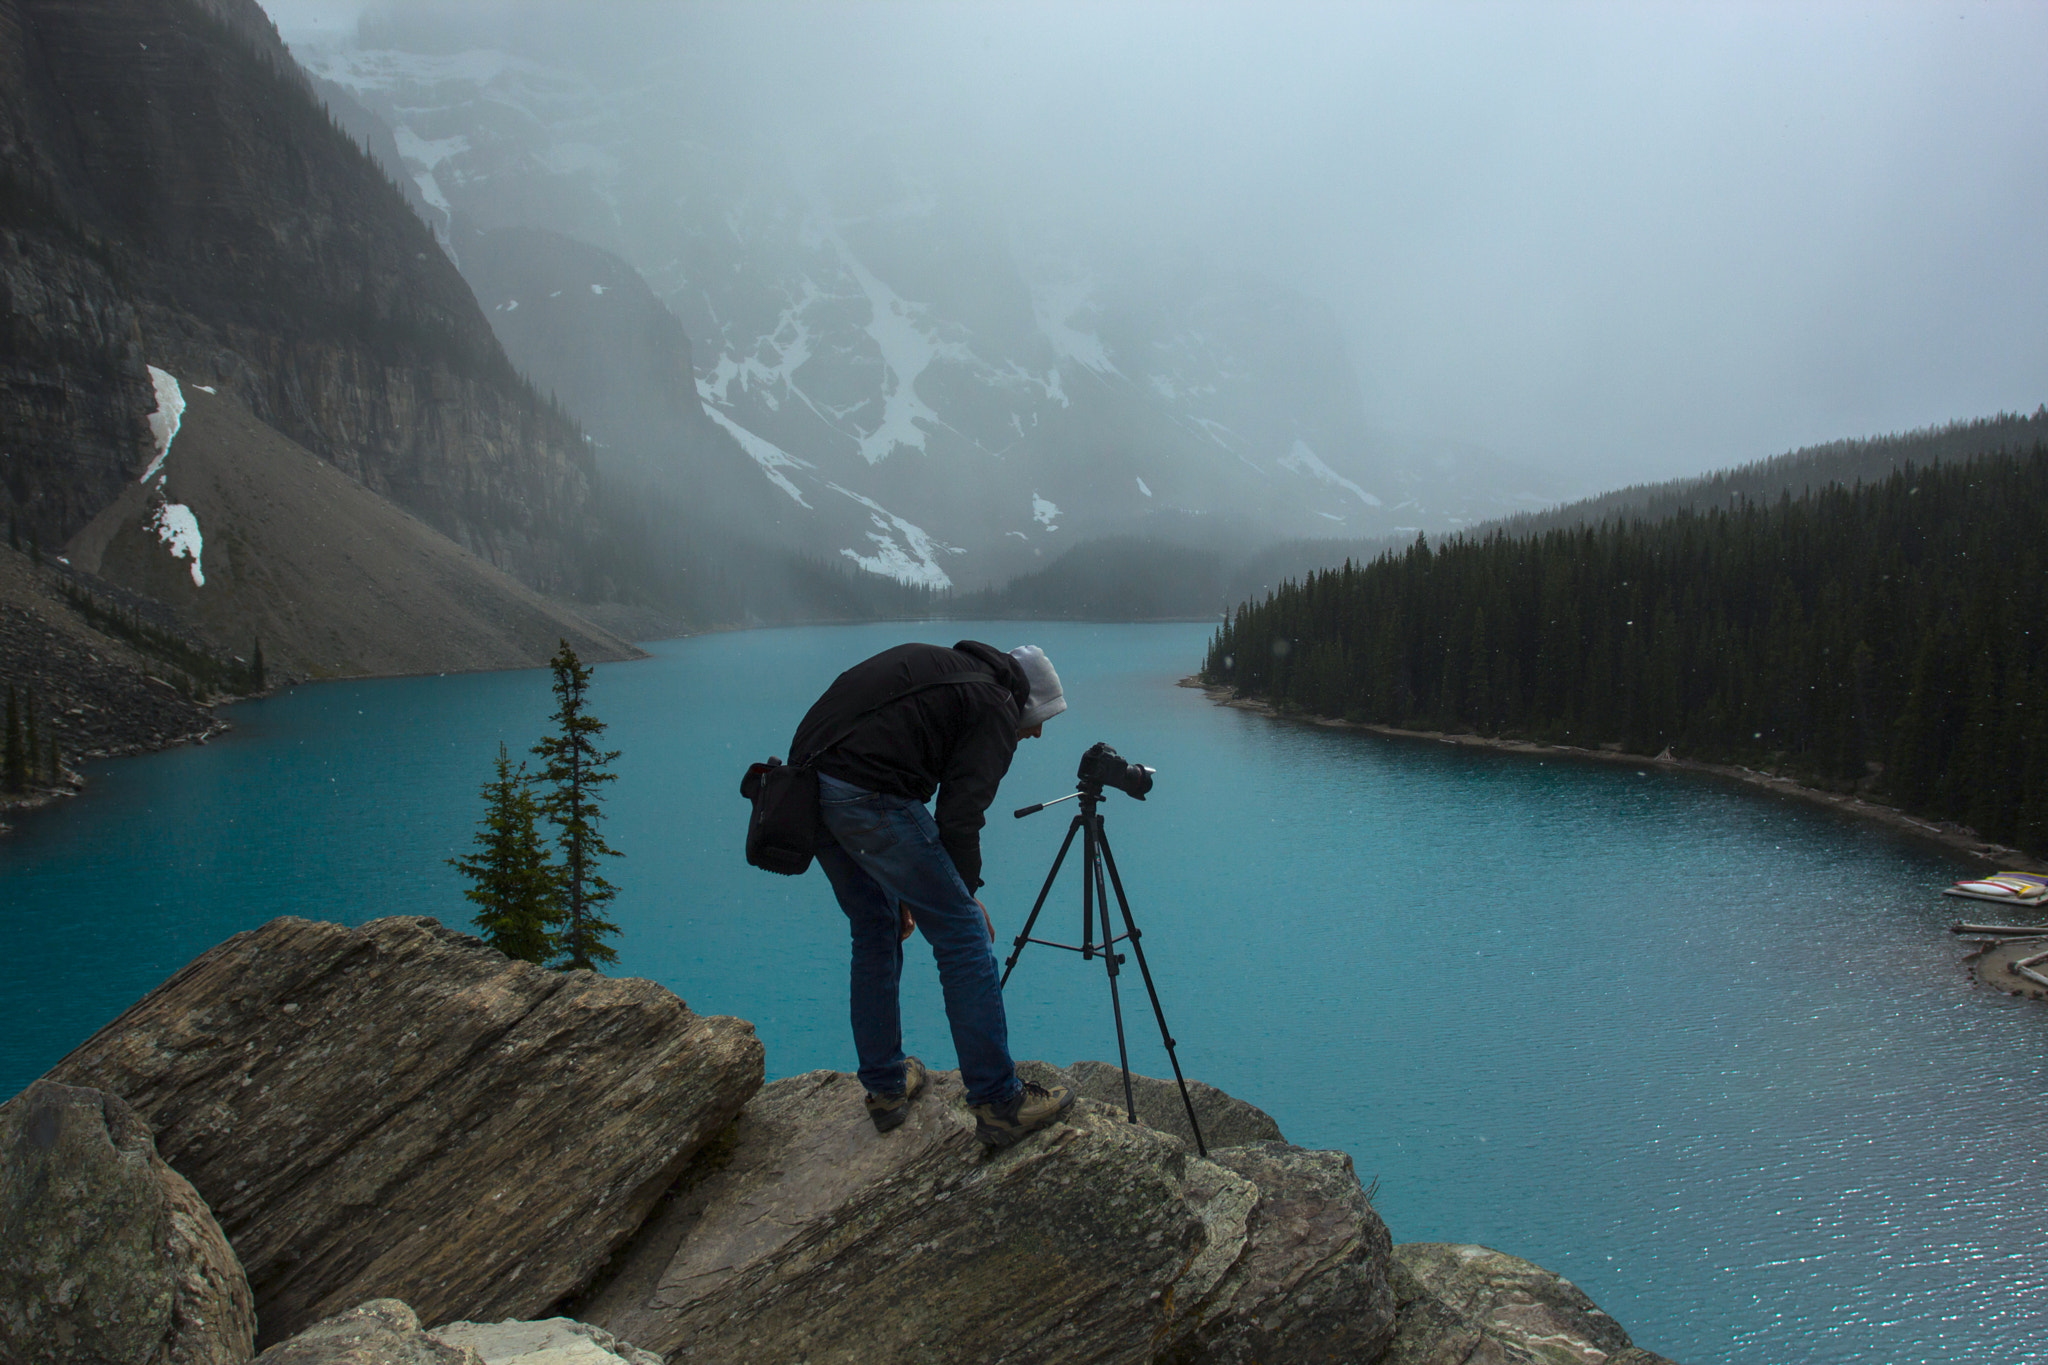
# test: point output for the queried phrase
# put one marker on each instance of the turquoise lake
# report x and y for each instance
(1710, 1054)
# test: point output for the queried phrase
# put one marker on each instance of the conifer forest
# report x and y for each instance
(1884, 637)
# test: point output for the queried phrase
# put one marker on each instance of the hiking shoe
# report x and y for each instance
(1027, 1111)
(889, 1111)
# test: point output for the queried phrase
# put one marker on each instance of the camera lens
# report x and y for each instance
(1103, 766)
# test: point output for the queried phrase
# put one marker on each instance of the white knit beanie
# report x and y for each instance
(1046, 699)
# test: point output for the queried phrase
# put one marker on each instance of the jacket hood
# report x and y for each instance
(1007, 670)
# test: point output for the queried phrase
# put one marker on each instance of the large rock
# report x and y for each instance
(1471, 1303)
(1226, 1120)
(397, 1111)
(107, 1254)
(807, 1235)
(551, 1341)
(1311, 1282)
(380, 1332)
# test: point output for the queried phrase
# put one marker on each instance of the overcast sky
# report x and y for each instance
(1623, 241)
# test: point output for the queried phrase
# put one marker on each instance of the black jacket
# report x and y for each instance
(958, 739)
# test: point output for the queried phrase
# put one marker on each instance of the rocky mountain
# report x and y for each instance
(249, 537)
(933, 393)
(174, 195)
(586, 324)
(400, 1146)
(364, 483)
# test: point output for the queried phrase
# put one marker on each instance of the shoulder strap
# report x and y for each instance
(972, 675)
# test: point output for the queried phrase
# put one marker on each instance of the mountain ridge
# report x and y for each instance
(931, 398)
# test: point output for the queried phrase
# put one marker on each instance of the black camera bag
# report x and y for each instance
(783, 828)
(782, 831)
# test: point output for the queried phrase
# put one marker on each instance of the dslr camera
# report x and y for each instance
(1103, 766)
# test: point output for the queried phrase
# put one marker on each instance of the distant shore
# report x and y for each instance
(1954, 837)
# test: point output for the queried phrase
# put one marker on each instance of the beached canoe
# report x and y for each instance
(2006, 888)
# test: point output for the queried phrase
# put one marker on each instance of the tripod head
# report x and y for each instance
(1101, 766)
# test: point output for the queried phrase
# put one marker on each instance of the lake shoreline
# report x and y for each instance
(1953, 837)
(142, 739)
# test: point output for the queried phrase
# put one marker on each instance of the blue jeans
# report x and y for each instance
(879, 850)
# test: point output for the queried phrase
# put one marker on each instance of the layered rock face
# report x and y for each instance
(178, 167)
(807, 1235)
(584, 324)
(1472, 1303)
(1226, 1120)
(399, 1111)
(585, 320)
(107, 1255)
(380, 1332)
(74, 387)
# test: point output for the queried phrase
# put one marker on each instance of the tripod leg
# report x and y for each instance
(1113, 960)
(1131, 930)
(1088, 857)
(1039, 904)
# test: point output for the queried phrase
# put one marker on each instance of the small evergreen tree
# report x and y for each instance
(256, 665)
(14, 766)
(575, 768)
(31, 742)
(56, 769)
(513, 885)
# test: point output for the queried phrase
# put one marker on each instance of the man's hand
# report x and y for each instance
(906, 923)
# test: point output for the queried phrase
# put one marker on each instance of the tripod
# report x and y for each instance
(1095, 858)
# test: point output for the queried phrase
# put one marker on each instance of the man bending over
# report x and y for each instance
(924, 718)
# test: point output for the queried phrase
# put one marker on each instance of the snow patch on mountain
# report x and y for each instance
(1044, 512)
(791, 342)
(1055, 307)
(713, 390)
(409, 84)
(1144, 488)
(177, 527)
(772, 458)
(1050, 386)
(1218, 433)
(1302, 460)
(165, 420)
(423, 157)
(906, 352)
(391, 70)
(915, 561)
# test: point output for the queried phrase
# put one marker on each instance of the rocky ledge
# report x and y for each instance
(357, 1131)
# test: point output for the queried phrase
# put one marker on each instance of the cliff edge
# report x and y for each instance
(395, 1125)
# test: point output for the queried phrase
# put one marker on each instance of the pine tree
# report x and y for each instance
(256, 665)
(575, 768)
(513, 885)
(31, 742)
(14, 767)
